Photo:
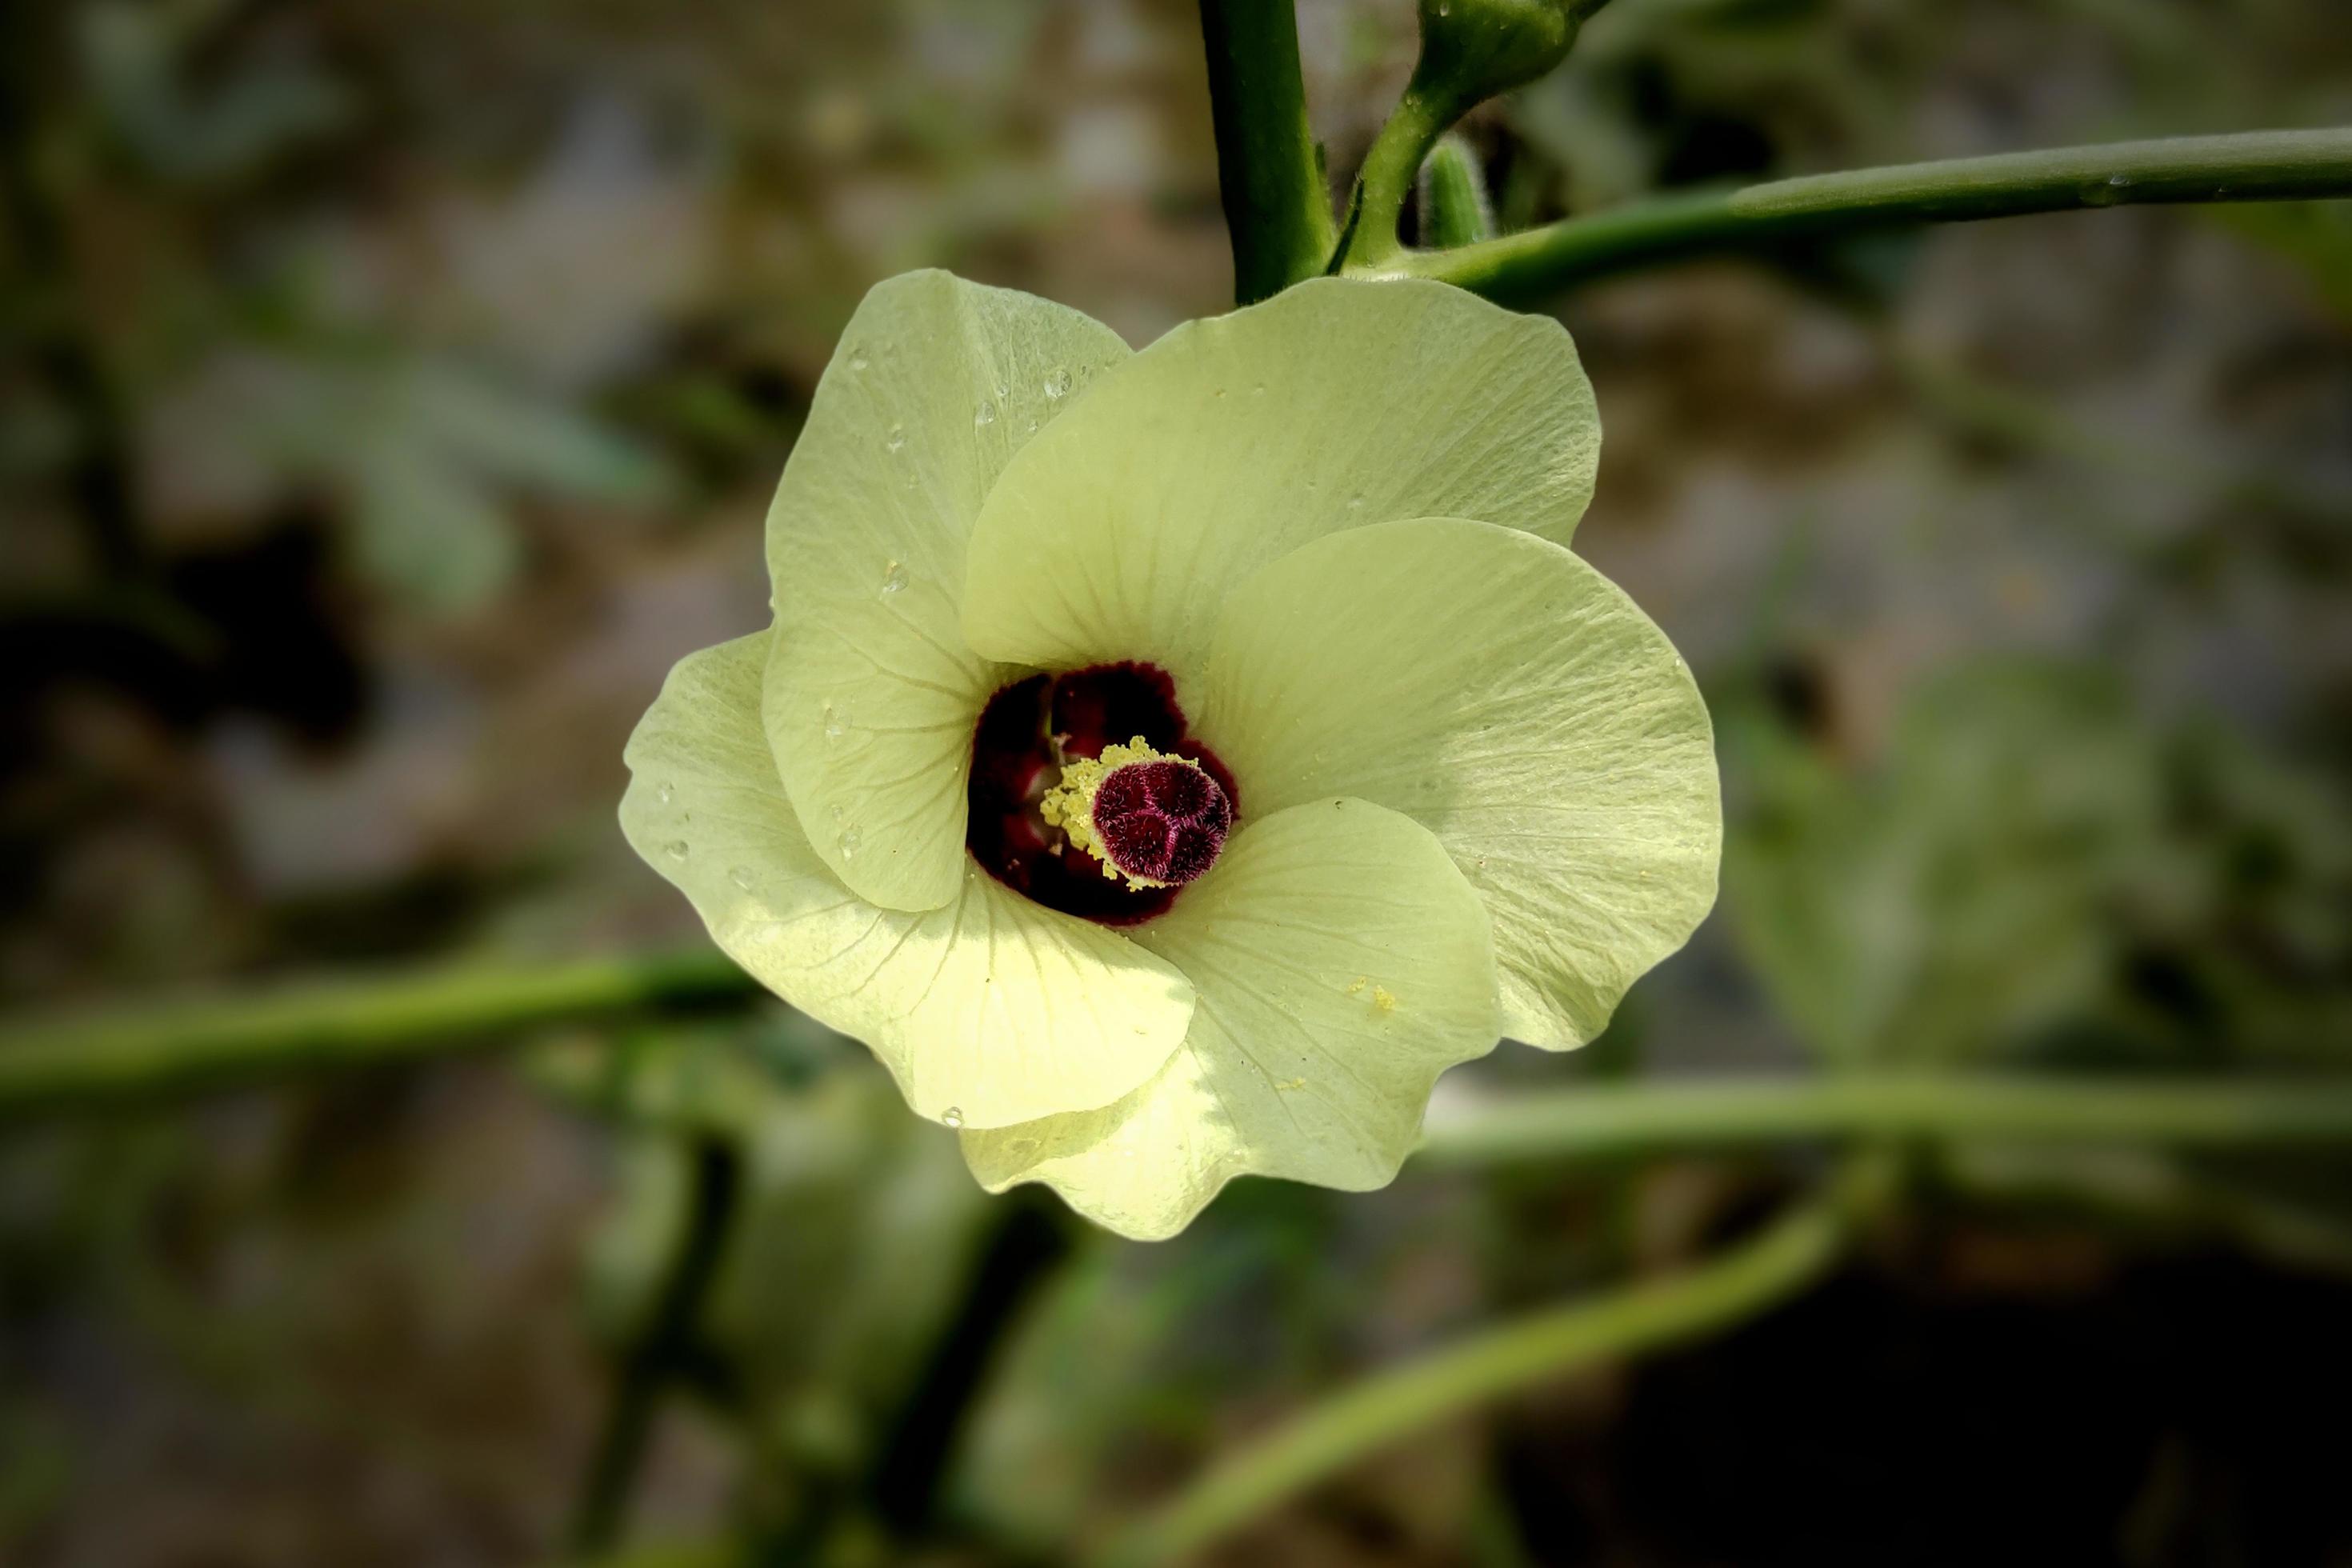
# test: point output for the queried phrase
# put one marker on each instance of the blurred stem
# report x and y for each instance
(1269, 172)
(1033, 1237)
(1778, 1262)
(64, 346)
(159, 1051)
(2258, 165)
(1454, 206)
(664, 1352)
(1631, 1117)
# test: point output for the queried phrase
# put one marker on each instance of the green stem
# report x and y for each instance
(1787, 1256)
(1622, 1119)
(2258, 165)
(1269, 175)
(153, 1051)
(1390, 168)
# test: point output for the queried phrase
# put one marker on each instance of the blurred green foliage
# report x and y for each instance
(2033, 744)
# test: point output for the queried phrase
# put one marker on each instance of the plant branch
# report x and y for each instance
(157, 1051)
(1607, 1120)
(1777, 1263)
(2256, 166)
(1269, 175)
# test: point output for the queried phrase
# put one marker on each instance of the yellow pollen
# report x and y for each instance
(1070, 804)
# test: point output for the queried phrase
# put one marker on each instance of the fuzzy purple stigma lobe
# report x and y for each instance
(1161, 822)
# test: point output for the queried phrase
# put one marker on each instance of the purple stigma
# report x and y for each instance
(1163, 822)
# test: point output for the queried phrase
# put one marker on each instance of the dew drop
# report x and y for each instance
(675, 848)
(952, 1116)
(741, 877)
(835, 727)
(896, 439)
(849, 841)
(1033, 428)
(858, 360)
(665, 792)
(1057, 383)
(1258, 391)
(1355, 503)
(894, 578)
(983, 415)
(1003, 390)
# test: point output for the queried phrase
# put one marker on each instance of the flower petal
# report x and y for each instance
(872, 694)
(992, 1010)
(1508, 697)
(1341, 963)
(1232, 441)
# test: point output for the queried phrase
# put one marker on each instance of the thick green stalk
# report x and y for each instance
(1621, 1118)
(1270, 176)
(155, 1051)
(2259, 165)
(1787, 1256)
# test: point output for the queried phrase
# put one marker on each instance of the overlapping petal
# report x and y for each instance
(987, 1011)
(1500, 691)
(1341, 962)
(872, 693)
(1232, 441)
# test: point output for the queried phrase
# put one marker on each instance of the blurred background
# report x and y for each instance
(391, 392)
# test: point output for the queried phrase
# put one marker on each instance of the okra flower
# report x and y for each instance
(1170, 762)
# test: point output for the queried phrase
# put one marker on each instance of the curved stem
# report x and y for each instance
(1620, 1118)
(156, 1051)
(2258, 165)
(1269, 175)
(1390, 168)
(1787, 1256)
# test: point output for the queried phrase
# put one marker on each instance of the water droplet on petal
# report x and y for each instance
(849, 841)
(894, 578)
(1057, 383)
(896, 439)
(1258, 391)
(858, 360)
(664, 793)
(675, 848)
(1355, 503)
(983, 415)
(741, 877)
(834, 728)
(952, 1116)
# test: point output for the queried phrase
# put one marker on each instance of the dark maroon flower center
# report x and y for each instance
(1023, 735)
(1162, 821)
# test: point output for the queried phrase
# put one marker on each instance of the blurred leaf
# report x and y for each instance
(428, 453)
(137, 57)
(1951, 900)
(2031, 867)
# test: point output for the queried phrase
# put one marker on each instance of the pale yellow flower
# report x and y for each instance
(1407, 774)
